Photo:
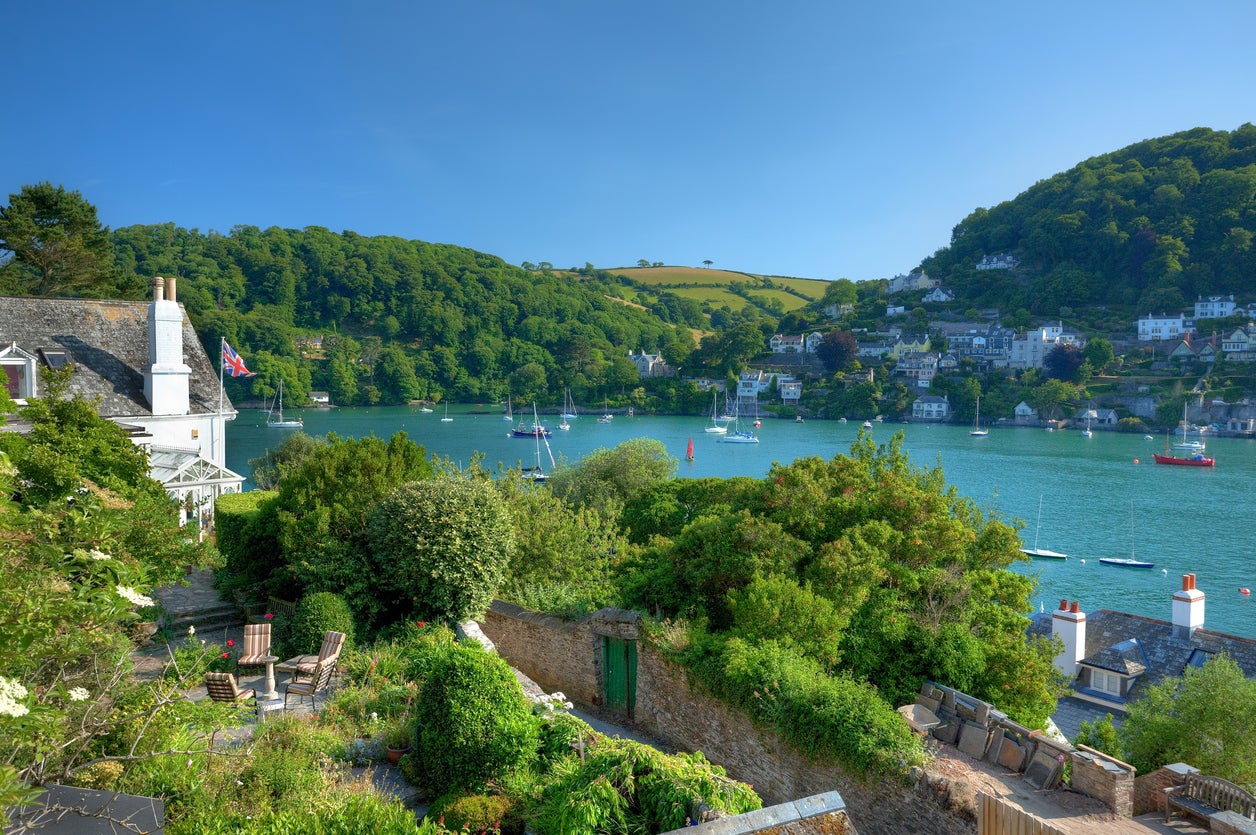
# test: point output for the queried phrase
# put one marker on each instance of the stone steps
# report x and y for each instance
(207, 620)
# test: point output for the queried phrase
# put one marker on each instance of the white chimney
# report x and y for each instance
(166, 380)
(1068, 623)
(1188, 607)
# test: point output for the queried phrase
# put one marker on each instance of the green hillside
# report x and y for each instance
(714, 289)
(1148, 228)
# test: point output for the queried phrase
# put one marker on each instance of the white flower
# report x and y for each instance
(132, 596)
(98, 555)
(79, 694)
(191, 631)
(11, 692)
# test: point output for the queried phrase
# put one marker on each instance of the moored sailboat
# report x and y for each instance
(1042, 553)
(275, 419)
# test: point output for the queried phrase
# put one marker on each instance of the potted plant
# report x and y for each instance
(397, 738)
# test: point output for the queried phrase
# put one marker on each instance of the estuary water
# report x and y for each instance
(1101, 496)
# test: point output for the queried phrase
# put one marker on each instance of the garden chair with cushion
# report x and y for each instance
(256, 646)
(311, 686)
(333, 642)
(222, 687)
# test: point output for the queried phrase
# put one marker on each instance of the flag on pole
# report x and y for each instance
(232, 363)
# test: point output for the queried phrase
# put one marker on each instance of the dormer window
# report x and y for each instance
(19, 372)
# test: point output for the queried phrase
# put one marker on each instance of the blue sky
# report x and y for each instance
(818, 139)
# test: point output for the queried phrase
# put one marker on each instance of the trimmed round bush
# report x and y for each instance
(445, 544)
(475, 724)
(315, 614)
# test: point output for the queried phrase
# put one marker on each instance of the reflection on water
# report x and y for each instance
(1184, 519)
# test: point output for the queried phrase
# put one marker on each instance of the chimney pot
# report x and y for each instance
(1063, 605)
(1075, 607)
(170, 289)
(159, 288)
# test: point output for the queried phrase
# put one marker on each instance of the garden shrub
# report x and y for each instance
(817, 713)
(443, 546)
(477, 813)
(475, 724)
(315, 614)
(245, 534)
(624, 786)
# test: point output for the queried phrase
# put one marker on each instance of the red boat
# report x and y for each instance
(1196, 460)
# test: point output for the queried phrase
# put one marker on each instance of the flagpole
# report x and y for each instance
(222, 341)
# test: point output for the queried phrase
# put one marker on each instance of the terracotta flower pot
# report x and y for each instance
(395, 754)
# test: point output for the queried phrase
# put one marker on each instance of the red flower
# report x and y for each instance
(226, 655)
(269, 616)
(422, 624)
(230, 642)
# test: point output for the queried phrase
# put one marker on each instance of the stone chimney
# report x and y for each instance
(166, 380)
(1068, 623)
(1188, 608)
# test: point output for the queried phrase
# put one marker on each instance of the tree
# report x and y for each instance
(837, 350)
(1204, 719)
(58, 244)
(607, 478)
(444, 544)
(1099, 353)
(707, 263)
(322, 511)
(1063, 362)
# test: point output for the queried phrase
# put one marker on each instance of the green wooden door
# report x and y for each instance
(619, 672)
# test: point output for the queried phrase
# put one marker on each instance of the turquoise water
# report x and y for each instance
(1096, 501)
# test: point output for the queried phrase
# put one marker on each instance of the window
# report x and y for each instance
(1105, 682)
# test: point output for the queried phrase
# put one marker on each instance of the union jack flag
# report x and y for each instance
(232, 363)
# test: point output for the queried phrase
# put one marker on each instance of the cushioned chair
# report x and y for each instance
(222, 687)
(256, 646)
(333, 642)
(310, 686)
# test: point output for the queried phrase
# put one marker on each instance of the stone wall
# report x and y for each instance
(1149, 788)
(564, 656)
(1105, 778)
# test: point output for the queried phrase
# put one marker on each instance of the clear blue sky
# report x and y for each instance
(820, 139)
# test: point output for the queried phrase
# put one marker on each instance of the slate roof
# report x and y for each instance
(1165, 651)
(107, 342)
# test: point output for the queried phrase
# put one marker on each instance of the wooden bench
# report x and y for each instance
(1204, 796)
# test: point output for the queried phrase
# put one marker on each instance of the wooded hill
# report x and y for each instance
(1148, 228)
(386, 320)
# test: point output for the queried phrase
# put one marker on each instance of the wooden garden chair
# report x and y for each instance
(309, 687)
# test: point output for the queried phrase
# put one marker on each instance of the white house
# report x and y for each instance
(939, 294)
(1240, 344)
(931, 407)
(1028, 349)
(1157, 328)
(785, 344)
(1215, 307)
(997, 262)
(918, 280)
(791, 391)
(146, 370)
(895, 310)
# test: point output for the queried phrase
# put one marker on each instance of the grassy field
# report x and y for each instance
(709, 286)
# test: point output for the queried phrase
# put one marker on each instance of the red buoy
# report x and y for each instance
(1245, 591)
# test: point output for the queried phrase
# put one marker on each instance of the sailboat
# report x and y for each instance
(730, 411)
(446, 418)
(978, 432)
(738, 435)
(536, 474)
(1195, 459)
(1086, 432)
(1042, 553)
(275, 419)
(569, 406)
(1187, 444)
(606, 417)
(1130, 561)
(508, 416)
(689, 450)
(716, 428)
